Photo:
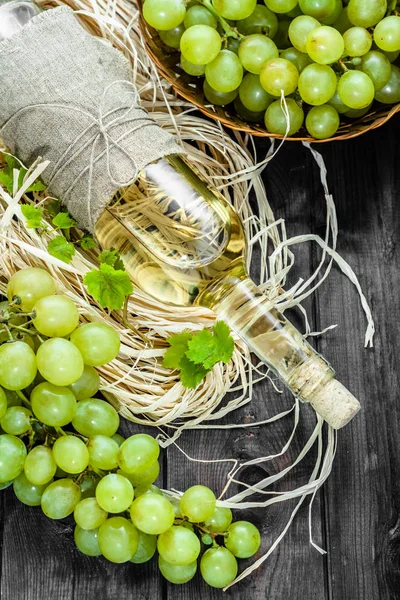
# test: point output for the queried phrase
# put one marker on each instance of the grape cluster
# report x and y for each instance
(60, 447)
(327, 57)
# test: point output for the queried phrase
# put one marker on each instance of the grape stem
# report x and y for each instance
(60, 431)
(24, 399)
(228, 30)
(391, 7)
(10, 337)
(125, 321)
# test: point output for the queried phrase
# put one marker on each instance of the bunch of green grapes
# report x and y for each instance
(325, 57)
(60, 447)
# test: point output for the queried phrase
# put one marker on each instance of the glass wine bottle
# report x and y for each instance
(183, 244)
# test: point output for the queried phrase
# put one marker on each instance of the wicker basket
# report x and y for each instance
(191, 88)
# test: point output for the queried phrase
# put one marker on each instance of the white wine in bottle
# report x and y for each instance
(183, 244)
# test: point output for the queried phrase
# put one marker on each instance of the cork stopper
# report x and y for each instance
(335, 404)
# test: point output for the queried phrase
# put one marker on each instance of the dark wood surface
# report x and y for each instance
(357, 513)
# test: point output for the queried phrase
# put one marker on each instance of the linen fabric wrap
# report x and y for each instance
(67, 97)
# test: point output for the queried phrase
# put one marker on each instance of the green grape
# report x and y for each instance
(178, 546)
(40, 466)
(357, 41)
(243, 538)
(28, 493)
(233, 44)
(71, 454)
(317, 84)
(281, 6)
(199, 15)
(252, 94)
(55, 316)
(218, 98)
(225, 72)
(164, 14)
(300, 59)
(246, 114)
(357, 113)
(17, 420)
(335, 15)
(219, 520)
(118, 540)
(337, 104)
(60, 498)
(276, 121)
(343, 23)
(87, 541)
(177, 574)
(114, 493)
(387, 34)
(17, 366)
(60, 474)
(12, 457)
(12, 398)
(118, 438)
(103, 452)
(235, 9)
(152, 513)
(325, 45)
(143, 478)
(146, 548)
(88, 485)
(5, 484)
(390, 93)
(281, 38)
(146, 489)
(87, 385)
(54, 405)
(279, 76)
(366, 13)
(95, 417)
(255, 51)
(391, 56)
(296, 12)
(29, 285)
(59, 361)
(319, 9)
(356, 89)
(299, 30)
(88, 514)
(197, 503)
(138, 453)
(98, 343)
(3, 403)
(261, 20)
(172, 37)
(200, 44)
(218, 567)
(191, 69)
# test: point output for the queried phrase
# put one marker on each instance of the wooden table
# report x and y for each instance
(357, 513)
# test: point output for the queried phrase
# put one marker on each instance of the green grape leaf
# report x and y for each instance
(33, 215)
(7, 176)
(108, 286)
(208, 349)
(224, 340)
(191, 374)
(53, 207)
(61, 248)
(113, 258)
(87, 242)
(177, 350)
(63, 221)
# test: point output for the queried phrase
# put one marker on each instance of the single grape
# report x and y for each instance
(60, 498)
(200, 44)
(279, 76)
(118, 438)
(17, 365)
(319, 9)
(71, 454)
(390, 93)
(295, 12)
(357, 41)
(29, 285)
(143, 478)
(255, 50)
(235, 9)
(98, 343)
(53, 405)
(178, 546)
(164, 14)
(300, 59)
(317, 84)
(55, 316)
(118, 540)
(152, 513)
(233, 44)
(218, 98)
(191, 69)
(366, 13)
(218, 567)
(337, 104)
(114, 493)
(299, 30)
(59, 361)
(281, 6)
(276, 119)
(87, 541)
(199, 15)
(172, 37)
(177, 574)
(146, 489)
(5, 484)
(343, 23)
(12, 398)
(243, 538)
(225, 72)
(197, 503)
(88, 484)
(357, 113)
(87, 385)
(391, 56)
(325, 45)
(88, 514)
(261, 20)
(138, 453)
(387, 34)
(103, 452)
(335, 15)
(147, 547)
(17, 420)
(12, 457)
(356, 89)
(28, 493)
(219, 520)
(246, 114)
(95, 417)
(252, 94)
(281, 38)
(3, 403)
(40, 466)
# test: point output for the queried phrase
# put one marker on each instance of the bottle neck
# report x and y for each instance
(14, 15)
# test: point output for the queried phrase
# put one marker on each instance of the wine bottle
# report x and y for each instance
(184, 244)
